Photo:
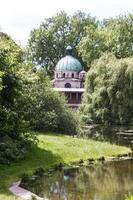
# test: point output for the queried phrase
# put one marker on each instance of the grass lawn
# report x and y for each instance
(53, 149)
(130, 197)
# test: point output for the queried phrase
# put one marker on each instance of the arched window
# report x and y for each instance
(63, 75)
(72, 75)
(67, 85)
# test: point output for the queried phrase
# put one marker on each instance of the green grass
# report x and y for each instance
(51, 150)
(130, 197)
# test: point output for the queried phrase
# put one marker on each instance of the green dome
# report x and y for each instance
(68, 63)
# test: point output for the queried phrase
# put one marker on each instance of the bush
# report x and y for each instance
(12, 150)
(47, 109)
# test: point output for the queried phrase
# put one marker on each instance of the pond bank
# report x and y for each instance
(52, 150)
(112, 173)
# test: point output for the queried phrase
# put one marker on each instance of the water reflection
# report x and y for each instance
(112, 134)
(111, 181)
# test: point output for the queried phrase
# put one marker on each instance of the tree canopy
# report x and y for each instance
(27, 102)
(47, 43)
(109, 91)
(12, 124)
(46, 110)
(89, 37)
(114, 35)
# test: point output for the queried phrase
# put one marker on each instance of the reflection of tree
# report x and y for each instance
(107, 133)
(108, 181)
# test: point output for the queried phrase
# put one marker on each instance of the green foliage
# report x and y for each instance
(89, 37)
(112, 35)
(12, 150)
(48, 42)
(92, 45)
(130, 197)
(27, 100)
(47, 109)
(34, 198)
(13, 143)
(11, 55)
(119, 39)
(109, 91)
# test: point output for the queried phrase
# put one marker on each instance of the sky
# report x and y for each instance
(19, 17)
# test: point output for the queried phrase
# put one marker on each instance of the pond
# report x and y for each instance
(108, 181)
(121, 135)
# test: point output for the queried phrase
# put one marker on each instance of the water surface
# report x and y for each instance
(112, 134)
(108, 181)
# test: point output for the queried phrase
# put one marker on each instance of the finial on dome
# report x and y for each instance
(69, 50)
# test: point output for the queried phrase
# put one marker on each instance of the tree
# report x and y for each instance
(13, 141)
(10, 59)
(109, 90)
(47, 109)
(27, 102)
(119, 39)
(92, 45)
(47, 43)
(112, 35)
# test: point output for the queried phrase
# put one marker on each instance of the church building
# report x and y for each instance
(69, 78)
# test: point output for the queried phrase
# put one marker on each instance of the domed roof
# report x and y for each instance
(68, 63)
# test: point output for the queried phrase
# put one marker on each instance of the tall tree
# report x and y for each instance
(13, 143)
(119, 39)
(47, 43)
(114, 35)
(11, 55)
(109, 91)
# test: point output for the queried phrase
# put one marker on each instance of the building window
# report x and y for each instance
(72, 75)
(67, 85)
(63, 75)
(56, 75)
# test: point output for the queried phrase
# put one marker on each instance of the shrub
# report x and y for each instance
(47, 109)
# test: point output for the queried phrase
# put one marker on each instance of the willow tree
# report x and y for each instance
(109, 91)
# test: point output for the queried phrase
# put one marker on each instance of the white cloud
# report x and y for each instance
(19, 17)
